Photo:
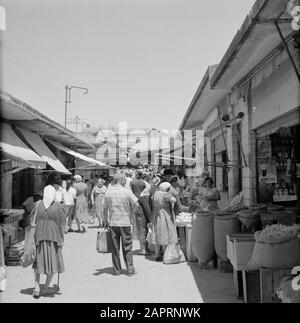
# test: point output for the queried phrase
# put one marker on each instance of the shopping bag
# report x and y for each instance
(104, 241)
(173, 254)
(29, 254)
(151, 234)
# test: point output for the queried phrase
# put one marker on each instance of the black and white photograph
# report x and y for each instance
(149, 154)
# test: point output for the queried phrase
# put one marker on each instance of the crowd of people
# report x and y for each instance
(135, 204)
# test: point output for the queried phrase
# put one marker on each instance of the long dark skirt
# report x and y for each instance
(49, 258)
(141, 224)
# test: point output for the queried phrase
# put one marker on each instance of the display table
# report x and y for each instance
(184, 232)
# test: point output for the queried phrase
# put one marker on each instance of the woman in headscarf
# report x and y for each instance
(49, 240)
(81, 211)
(163, 219)
(97, 198)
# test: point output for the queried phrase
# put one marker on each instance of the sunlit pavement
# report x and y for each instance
(88, 278)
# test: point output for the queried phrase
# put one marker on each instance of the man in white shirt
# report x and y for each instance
(119, 205)
(69, 198)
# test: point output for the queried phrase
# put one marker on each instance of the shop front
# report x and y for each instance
(276, 123)
(278, 160)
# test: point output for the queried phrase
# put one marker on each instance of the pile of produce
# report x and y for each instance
(277, 233)
(184, 217)
(236, 204)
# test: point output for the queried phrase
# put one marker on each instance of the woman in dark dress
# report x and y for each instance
(49, 239)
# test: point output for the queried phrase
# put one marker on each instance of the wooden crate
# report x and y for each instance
(251, 286)
(269, 281)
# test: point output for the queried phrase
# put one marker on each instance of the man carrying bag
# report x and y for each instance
(119, 205)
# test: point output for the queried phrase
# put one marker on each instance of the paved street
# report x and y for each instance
(88, 278)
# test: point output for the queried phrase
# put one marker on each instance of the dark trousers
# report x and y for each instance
(122, 234)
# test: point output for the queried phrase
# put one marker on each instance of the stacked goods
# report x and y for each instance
(277, 246)
(224, 225)
(203, 237)
(14, 254)
(248, 217)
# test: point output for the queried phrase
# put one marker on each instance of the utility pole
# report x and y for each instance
(68, 97)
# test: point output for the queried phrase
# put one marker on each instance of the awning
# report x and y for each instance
(78, 155)
(37, 143)
(11, 144)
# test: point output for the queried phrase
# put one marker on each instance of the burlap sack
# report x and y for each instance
(248, 217)
(224, 225)
(284, 254)
(203, 237)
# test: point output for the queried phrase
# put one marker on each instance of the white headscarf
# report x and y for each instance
(49, 195)
(164, 186)
(78, 178)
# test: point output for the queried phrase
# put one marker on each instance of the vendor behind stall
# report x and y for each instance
(28, 205)
(209, 195)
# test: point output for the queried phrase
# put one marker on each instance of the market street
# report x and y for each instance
(88, 278)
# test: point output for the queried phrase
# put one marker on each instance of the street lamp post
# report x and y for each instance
(68, 97)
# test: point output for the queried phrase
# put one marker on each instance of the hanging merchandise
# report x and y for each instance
(267, 170)
(264, 148)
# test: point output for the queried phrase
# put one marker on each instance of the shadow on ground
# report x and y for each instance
(29, 291)
(213, 286)
(108, 271)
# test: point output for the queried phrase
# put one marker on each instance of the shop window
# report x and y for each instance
(279, 166)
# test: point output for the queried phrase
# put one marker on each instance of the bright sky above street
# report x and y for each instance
(141, 60)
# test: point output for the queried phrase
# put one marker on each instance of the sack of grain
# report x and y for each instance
(248, 217)
(276, 246)
(223, 225)
(203, 237)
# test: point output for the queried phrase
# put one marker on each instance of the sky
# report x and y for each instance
(141, 60)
